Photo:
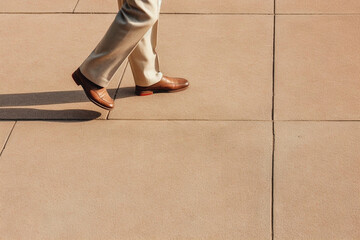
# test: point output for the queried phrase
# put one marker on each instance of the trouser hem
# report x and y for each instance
(100, 81)
(148, 83)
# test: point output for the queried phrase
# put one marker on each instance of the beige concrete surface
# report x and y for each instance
(317, 68)
(97, 6)
(37, 6)
(5, 129)
(137, 180)
(316, 189)
(228, 61)
(187, 6)
(317, 6)
(220, 6)
(208, 163)
(45, 50)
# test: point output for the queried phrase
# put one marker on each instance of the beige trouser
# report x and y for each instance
(132, 34)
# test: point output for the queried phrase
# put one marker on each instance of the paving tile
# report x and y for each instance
(218, 6)
(316, 190)
(187, 6)
(318, 6)
(317, 68)
(45, 50)
(137, 180)
(228, 61)
(37, 6)
(5, 129)
(97, 6)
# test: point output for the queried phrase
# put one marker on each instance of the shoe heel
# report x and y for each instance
(143, 93)
(76, 78)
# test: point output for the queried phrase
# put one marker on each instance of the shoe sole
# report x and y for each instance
(78, 82)
(148, 92)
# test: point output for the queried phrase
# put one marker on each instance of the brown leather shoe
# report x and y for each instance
(166, 84)
(95, 93)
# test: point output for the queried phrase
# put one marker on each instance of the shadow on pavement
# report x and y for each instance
(38, 114)
(61, 97)
(49, 98)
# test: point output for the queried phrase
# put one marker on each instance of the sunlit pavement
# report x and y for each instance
(263, 145)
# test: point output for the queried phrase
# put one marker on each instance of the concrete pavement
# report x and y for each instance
(263, 145)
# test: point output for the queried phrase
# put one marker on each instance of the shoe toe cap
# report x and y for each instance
(185, 82)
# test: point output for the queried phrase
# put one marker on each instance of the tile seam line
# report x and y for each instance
(318, 14)
(273, 180)
(308, 120)
(185, 120)
(232, 120)
(194, 120)
(117, 90)
(99, 13)
(273, 124)
(129, 119)
(75, 6)
(201, 14)
(7, 139)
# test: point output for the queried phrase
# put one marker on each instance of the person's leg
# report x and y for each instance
(144, 64)
(132, 34)
(145, 68)
(144, 59)
(132, 22)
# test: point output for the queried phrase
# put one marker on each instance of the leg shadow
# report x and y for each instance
(49, 98)
(38, 114)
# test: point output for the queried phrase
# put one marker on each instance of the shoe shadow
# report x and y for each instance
(50, 98)
(39, 114)
(61, 97)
